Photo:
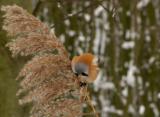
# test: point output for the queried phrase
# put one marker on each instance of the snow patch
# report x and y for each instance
(112, 109)
(125, 92)
(106, 26)
(155, 109)
(141, 109)
(87, 17)
(71, 33)
(128, 13)
(131, 34)
(81, 37)
(108, 86)
(67, 22)
(151, 60)
(158, 95)
(98, 10)
(79, 50)
(130, 78)
(62, 38)
(142, 3)
(128, 45)
(98, 81)
(131, 109)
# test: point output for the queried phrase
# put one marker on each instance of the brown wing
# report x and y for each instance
(93, 73)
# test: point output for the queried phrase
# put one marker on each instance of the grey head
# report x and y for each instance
(80, 68)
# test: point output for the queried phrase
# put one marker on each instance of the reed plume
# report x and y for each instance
(46, 80)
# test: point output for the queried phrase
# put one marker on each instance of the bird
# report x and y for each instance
(86, 67)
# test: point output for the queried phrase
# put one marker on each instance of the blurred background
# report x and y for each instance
(123, 34)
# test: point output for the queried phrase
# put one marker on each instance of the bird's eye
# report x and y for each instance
(84, 74)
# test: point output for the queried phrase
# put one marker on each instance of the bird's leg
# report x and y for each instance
(83, 88)
(79, 82)
(82, 84)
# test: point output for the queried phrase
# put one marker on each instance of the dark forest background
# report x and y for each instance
(123, 34)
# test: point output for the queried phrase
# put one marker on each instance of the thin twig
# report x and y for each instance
(100, 3)
(113, 11)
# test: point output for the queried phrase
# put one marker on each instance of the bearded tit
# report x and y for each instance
(85, 67)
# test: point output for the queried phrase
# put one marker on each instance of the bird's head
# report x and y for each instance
(85, 67)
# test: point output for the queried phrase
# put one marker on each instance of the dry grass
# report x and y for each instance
(47, 80)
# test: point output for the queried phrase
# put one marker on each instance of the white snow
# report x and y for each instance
(155, 109)
(101, 83)
(127, 34)
(81, 37)
(125, 92)
(131, 34)
(79, 50)
(131, 109)
(128, 13)
(148, 38)
(98, 10)
(106, 26)
(59, 5)
(71, 33)
(130, 78)
(151, 60)
(87, 17)
(98, 80)
(62, 38)
(67, 22)
(107, 86)
(100, 37)
(112, 109)
(141, 109)
(142, 3)
(71, 14)
(128, 44)
(97, 39)
(158, 95)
